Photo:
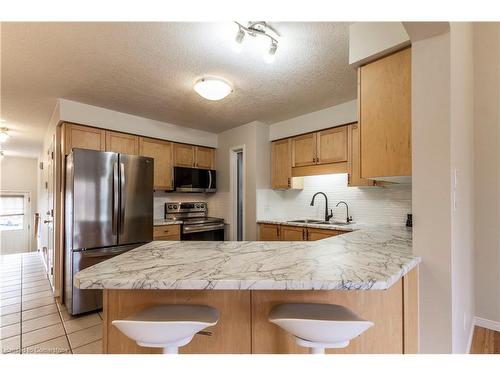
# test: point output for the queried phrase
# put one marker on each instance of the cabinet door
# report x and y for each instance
(183, 155)
(204, 157)
(385, 116)
(281, 166)
(314, 234)
(304, 150)
(354, 159)
(77, 136)
(269, 232)
(161, 152)
(332, 145)
(292, 233)
(122, 143)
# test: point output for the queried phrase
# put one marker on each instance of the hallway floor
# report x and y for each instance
(32, 322)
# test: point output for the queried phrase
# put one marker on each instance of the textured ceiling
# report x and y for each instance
(148, 69)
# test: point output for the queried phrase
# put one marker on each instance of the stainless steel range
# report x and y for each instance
(197, 225)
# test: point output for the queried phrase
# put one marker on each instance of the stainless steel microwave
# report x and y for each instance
(194, 180)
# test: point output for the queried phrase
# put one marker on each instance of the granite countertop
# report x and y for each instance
(368, 258)
(166, 222)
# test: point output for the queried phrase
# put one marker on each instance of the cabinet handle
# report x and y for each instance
(289, 182)
(277, 231)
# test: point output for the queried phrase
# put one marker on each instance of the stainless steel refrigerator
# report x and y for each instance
(108, 211)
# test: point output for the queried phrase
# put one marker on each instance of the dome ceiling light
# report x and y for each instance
(259, 29)
(212, 88)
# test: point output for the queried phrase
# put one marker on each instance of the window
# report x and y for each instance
(11, 212)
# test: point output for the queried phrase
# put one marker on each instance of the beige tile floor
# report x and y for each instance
(31, 321)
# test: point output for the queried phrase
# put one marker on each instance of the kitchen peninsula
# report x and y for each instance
(370, 270)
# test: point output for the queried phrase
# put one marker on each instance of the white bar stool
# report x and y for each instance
(167, 326)
(318, 326)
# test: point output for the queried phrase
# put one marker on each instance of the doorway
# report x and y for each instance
(15, 225)
(238, 192)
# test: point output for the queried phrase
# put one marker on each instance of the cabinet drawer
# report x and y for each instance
(166, 230)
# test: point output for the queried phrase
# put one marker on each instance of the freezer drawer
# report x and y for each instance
(79, 301)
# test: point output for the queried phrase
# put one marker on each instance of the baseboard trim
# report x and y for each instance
(486, 323)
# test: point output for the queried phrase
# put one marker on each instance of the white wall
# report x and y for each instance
(431, 193)
(104, 118)
(20, 174)
(369, 205)
(255, 138)
(371, 40)
(326, 118)
(487, 169)
(462, 166)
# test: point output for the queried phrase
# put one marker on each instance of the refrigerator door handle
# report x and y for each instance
(115, 199)
(123, 197)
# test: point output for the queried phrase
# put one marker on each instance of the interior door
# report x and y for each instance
(136, 200)
(49, 217)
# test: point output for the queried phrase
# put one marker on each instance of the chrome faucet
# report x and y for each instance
(349, 219)
(327, 216)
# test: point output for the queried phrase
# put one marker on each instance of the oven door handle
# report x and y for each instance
(201, 228)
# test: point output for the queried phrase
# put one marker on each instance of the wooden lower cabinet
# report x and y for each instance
(244, 327)
(278, 232)
(269, 232)
(232, 334)
(167, 232)
(383, 307)
(292, 233)
(315, 234)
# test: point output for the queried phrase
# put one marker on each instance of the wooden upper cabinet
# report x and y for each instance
(122, 143)
(304, 150)
(385, 116)
(161, 152)
(204, 157)
(77, 136)
(292, 233)
(269, 232)
(281, 168)
(331, 145)
(354, 158)
(184, 155)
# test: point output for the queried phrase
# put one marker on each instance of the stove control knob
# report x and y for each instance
(175, 207)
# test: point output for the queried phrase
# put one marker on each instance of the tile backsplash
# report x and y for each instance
(372, 205)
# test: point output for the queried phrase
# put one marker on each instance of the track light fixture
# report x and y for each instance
(258, 29)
